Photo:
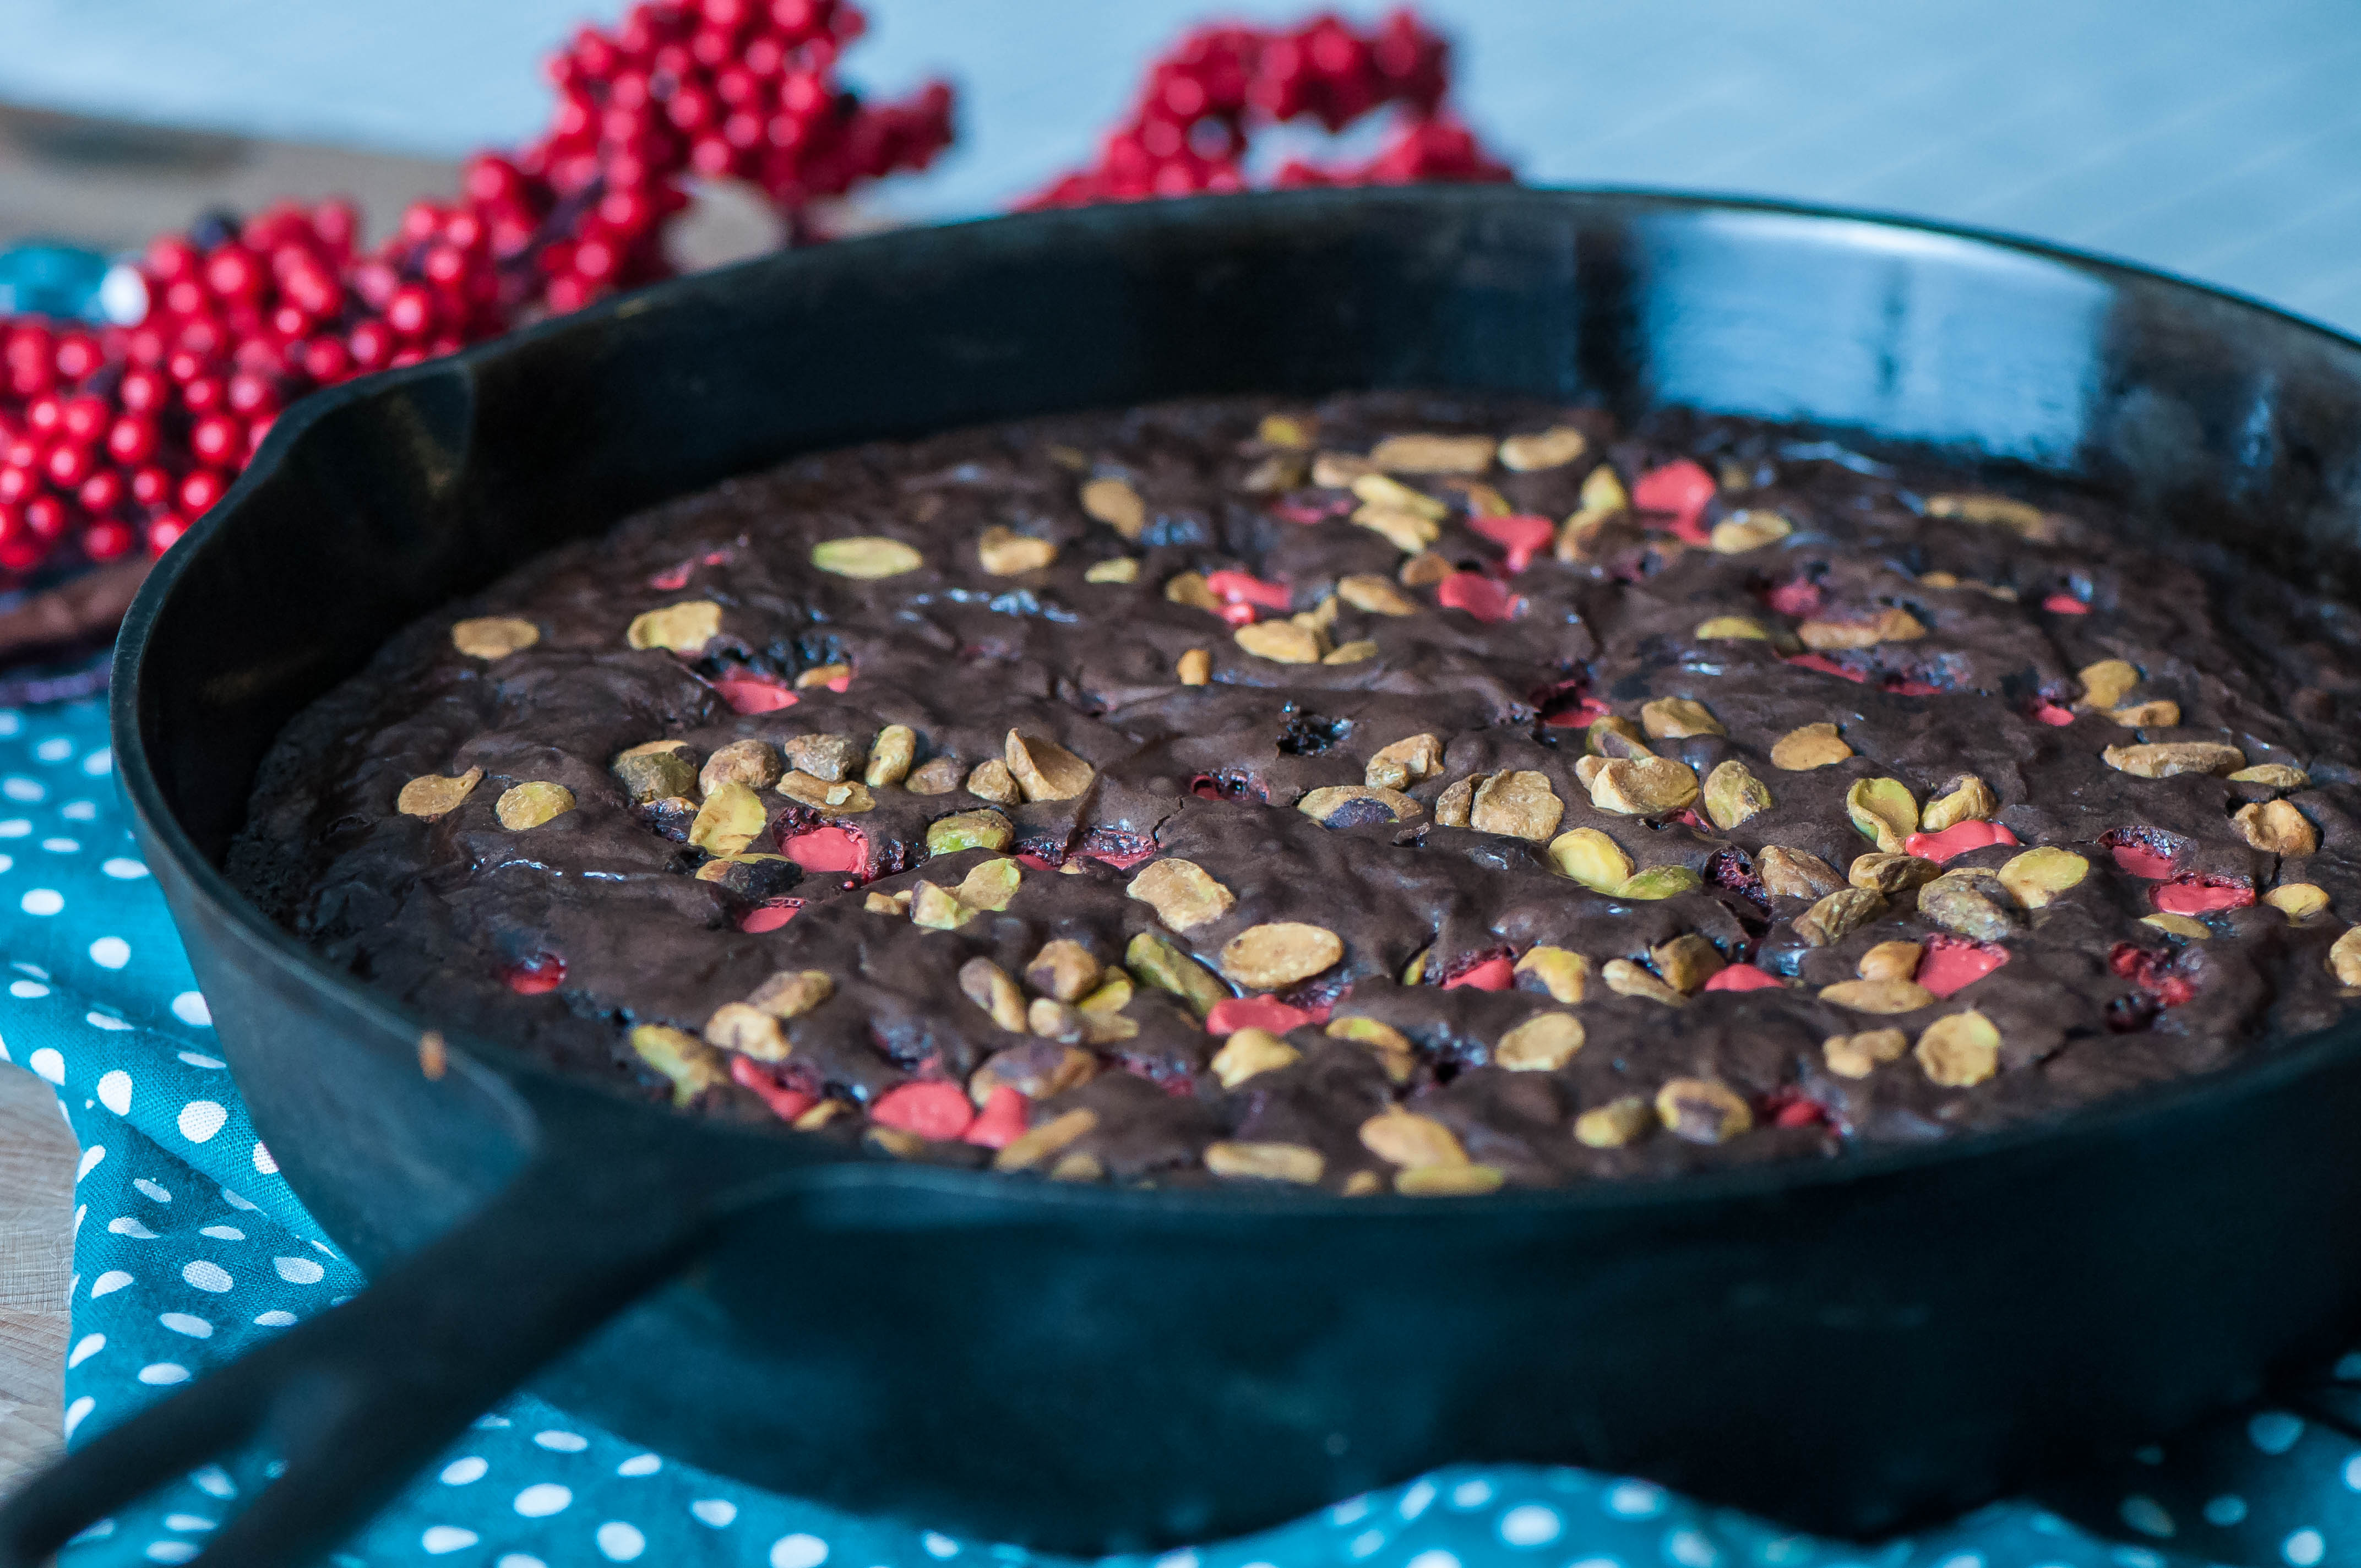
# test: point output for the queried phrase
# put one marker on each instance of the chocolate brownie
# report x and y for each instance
(1400, 792)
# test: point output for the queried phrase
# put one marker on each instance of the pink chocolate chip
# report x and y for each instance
(2065, 604)
(829, 849)
(1002, 1121)
(2143, 860)
(1825, 664)
(1954, 962)
(1523, 537)
(1957, 839)
(2047, 712)
(1486, 598)
(769, 916)
(785, 1103)
(1742, 976)
(1681, 488)
(754, 694)
(2202, 895)
(931, 1110)
(1492, 974)
(1236, 1012)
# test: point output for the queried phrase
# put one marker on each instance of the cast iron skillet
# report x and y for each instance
(1851, 1345)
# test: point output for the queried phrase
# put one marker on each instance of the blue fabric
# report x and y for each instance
(189, 1249)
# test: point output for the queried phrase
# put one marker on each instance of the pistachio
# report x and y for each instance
(1280, 953)
(531, 804)
(1678, 719)
(1183, 894)
(1248, 1053)
(1974, 903)
(1337, 470)
(758, 877)
(1286, 430)
(1063, 970)
(1615, 1124)
(1375, 595)
(1189, 588)
(1613, 736)
(1414, 1142)
(1407, 531)
(1434, 453)
(886, 904)
(1414, 971)
(992, 781)
(1452, 807)
(1625, 978)
(1959, 1050)
(1320, 616)
(429, 795)
(1892, 624)
(823, 676)
(2276, 827)
(2297, 900)
(1031, 1147)
(940, 775)
(1405, 762)
(1045, 770)
(1791, 873)
(1424, 570)
(1036, 1068)
(832, 759)
(2107, 683)
(1154, 962)
(2166, 759)
(791, 994)
(890, 756)
(685, 628)
(1603, 492)
(1883, 811)
(1553, 448)
(1194, 668)
(747, 1031)
(1006, 553)
(1357, 805)
(1560, 971)
(1858, 1056)
(1813, 746)
(1352, 653)
(1542, 1043)
(1279, 471)
(1730, 629)
(1703, 1111)
(1281, 642)
(1744, 531)
(1839, 914)
(1878, 995)
(1449, 1181)
(934, 908)
(984, 829)
(1732, 795)
(2345, 958)
(1518, 803)
(491, 637)
(989, 885)
(693, 1066)
(867, 556)
(2272, 775)
(2037, 876)
(1387, 1044)
(2026, 520)
(1890, 960)
(1964, 799)
(1644, 786)
(1687, 961)
(1886, 872)
(846, 799)
(1591, 857)
(2160, 714)
(655, 770)
(1266, 1162)
(1379, 491)
(1117, 569)
(749, 763)
(1660, 882)
(1053, 1020)
(1111, 994)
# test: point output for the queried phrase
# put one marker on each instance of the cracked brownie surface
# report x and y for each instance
(1396, 792)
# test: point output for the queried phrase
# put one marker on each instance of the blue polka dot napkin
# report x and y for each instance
(189, 1249)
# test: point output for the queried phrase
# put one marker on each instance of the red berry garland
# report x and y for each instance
(112, 438)
(1199, 104)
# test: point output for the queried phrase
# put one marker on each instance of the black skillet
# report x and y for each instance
(1851, 1346)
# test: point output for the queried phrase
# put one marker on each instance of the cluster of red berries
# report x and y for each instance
(113, 438)
(1191, 129)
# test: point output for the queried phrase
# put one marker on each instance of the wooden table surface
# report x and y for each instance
(37, 1166)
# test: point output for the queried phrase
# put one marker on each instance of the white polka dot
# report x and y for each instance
(1530, 1524)
(98, 1020)
(1185, 1558)
(2146, 1515)
(1363, 1544)
(224, 1232)
(206, 1275)
(719, 1512)
(1690, 1548)
(115, 1091)
(154, 1192)
(441, 1539)
(215, 1481)
(1415, 1498)
(86, 1347)
(1471, 1493)
(1433, 1557)
(11, 722)
(63, 846)
(164, 1373)
(42, 900)
(797, 1551)
(1351, 1511)
(171, 1550)
(15, 827)
(25, 989)
(190, 1007)
(275, 1320)
(235, 1201)
(47, 1063)
(542, 1500)
(640, 1465)
(211, 1064)
(519, 1559)
(2274, 1431)
(182, 1324)
(2138, 1557)
(464, 1472)
(110, 952)
(562, 1442)
(1634, 1500)
(263, 1162)
(77, 1412)
(19, 787)
(121, 868)
(98, 764)
(621, 1543)
(201, 1119)
(188, 1522)
(938, 1545)
(56, 749)
(108, 1283)
(128, 1226)
(2230, 1508)
(90, 1158)
(299, 1270)
(79, 811)
(2304, 1548)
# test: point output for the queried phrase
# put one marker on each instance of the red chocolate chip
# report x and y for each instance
(785, 1103)
(1953, 963)
(1825, 664)
(1520, 536)
(536, 974)
(1002, 1121)
(2203, 894)
(1741, 976)
(2065, 604)
(1681, 488)
(754, 694)
(1236, 1012)
(1491, 974)
(934, 1111)
(830, 849)
(769, 916)
(1486, 598)
(1957, 839)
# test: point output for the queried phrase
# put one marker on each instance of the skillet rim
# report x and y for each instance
(2259, 1071)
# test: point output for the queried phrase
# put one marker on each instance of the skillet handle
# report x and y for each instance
(356, 1399)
